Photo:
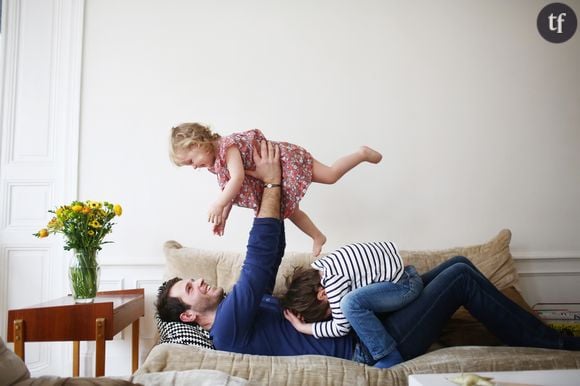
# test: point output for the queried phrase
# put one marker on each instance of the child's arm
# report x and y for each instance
(334, 328)
(232, 188)
(337, 326)
(218, 229)
(326, 329)
(299, 325)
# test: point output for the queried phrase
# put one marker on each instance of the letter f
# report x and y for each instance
(559, 20)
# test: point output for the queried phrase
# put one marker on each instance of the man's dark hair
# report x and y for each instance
(169, 308)
(301, 298)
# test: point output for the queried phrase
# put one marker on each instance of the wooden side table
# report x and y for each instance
(64, 320)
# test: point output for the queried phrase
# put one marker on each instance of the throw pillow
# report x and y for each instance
(492, 258)
(222, 268)
(12, 368)
(182, 333)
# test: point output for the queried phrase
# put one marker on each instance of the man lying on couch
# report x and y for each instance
(249, 320)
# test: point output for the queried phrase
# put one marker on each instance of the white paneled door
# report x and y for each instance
(41, 49)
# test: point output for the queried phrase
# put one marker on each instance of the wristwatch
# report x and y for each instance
(272, 185)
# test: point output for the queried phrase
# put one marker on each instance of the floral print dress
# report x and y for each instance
(296, 170)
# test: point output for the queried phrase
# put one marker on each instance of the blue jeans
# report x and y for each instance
(360, 305)
(455, 283)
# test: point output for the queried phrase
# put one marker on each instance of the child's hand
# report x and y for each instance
(218, 230)
(215, 214)
(298, 323)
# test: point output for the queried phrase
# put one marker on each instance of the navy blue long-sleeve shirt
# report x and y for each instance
(250, 321)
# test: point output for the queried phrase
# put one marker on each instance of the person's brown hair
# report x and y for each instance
(301, 297)
(169, 308)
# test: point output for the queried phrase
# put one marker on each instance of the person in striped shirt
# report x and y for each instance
(346, 288)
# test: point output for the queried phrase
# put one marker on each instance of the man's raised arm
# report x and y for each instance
(269, 171)
(235, 320)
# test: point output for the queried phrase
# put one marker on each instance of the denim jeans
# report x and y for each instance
(360, 305)
(455, 283)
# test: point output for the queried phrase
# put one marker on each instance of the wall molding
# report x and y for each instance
(3, 292)
(547, 263)
(130, 265)
(70, 39)
(545, 274)
(31, 223)
(40, 258)
(11, 35)
(546, 255)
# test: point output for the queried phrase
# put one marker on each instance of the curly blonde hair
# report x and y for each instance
(188, 135)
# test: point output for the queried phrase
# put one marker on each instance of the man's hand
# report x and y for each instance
(268, 170)
(267, 162)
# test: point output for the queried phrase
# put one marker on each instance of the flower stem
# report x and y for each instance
(84, 274)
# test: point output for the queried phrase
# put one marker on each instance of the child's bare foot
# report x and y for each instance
(319, 241)
(371, 155)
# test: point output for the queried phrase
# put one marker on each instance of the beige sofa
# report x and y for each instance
(464, 345)
(13, 371)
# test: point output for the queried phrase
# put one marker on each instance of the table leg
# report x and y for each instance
(76, 351)
(19, 338)
(100, 347)
(135, 346)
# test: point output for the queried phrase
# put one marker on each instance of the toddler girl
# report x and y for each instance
(230, 158)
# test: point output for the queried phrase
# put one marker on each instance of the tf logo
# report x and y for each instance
(557, 22)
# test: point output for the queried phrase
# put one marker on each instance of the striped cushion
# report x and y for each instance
(182, 333)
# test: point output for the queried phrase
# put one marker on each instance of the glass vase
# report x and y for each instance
(84, 275)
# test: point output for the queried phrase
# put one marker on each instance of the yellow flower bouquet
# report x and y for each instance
(84, 226)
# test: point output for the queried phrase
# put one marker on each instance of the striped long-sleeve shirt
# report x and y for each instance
(351, 267)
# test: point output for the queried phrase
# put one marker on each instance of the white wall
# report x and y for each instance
(476, 114)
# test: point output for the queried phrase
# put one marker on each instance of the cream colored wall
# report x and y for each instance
(476, 114)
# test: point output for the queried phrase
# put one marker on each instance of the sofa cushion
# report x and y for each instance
(181, 333)
(322, 370)
(189, 377)
(12, 368)
(51, 380)
(265, 370)
(222, 268)
(492, 258)
(13, 371)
